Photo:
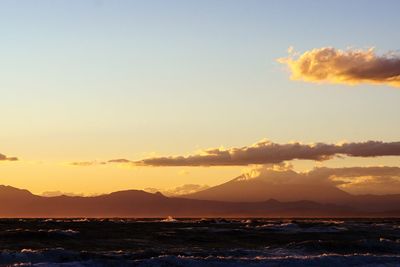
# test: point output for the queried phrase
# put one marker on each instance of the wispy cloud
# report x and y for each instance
(119, 161)
(357, 180)
(60, 193)
(87, 163)
(180, 190)
(5, 158)
(352, 66)
(96, 162)
(362, 180)
(57, 193)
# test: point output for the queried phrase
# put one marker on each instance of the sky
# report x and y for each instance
(85, 81)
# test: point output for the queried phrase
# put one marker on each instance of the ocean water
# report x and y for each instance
(200, 242)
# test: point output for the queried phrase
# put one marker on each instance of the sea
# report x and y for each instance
(199, 242)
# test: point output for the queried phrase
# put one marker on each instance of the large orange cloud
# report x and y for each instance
(350, 66)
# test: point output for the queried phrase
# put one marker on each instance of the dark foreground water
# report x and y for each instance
(193, 242)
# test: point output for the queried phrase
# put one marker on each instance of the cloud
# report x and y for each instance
(95, 162)
(59, 193)
(152, 190)
(355, 180)
(184, 189)
(266, 152)
(261, 153)
(350, 172)
(87, 163)
(119, 161)
(381, 185)
(180, 190)
(363, 180)
(5, 158)
(350, 66)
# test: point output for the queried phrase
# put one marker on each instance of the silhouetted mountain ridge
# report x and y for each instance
(137, 203)
(7, 191)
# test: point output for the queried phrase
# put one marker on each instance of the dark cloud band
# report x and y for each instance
(266, 152)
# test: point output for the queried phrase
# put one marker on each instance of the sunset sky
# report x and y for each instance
(86, 82)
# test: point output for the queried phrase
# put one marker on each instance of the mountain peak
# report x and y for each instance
(282, 186)
(7, 191)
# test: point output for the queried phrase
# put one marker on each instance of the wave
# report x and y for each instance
(199, 242)
(29, 233)
(317, 260)
(61, 257)
(169, 219)
(37, 256)
(291, 227)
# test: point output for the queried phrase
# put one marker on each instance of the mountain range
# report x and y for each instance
(237, 198)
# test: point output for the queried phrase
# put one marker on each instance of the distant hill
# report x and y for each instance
(135, 203)
(241, 189)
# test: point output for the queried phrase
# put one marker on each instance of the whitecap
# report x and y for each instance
(169, 219)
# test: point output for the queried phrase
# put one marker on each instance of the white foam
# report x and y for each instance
(169, 219)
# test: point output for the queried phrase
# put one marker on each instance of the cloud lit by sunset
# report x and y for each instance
(351, 66)
(266, 152)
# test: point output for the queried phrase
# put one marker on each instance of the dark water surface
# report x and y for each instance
(194, 242)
